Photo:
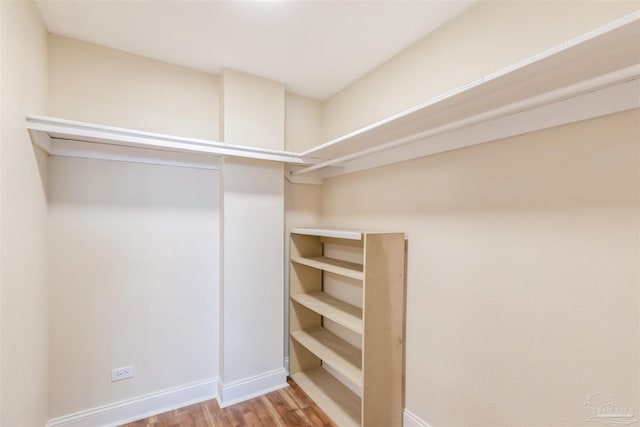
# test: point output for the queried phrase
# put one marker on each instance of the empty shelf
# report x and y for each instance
(339, 234)
(338, 266)
(340, 403)
(342, 313)
(339, 354)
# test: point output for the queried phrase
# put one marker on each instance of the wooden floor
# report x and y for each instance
(289, 406)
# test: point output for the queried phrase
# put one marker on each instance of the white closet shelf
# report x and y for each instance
(334, 351)
(337, 266)
(342, 313)
(61, 137)
(592, 75)
(588, 76)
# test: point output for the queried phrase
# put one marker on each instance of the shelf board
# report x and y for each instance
(338, 234)
(594, 74)
(594, 61)
(339, 403)
(61, 137)
(336, 352)
(566, 83)
(606, 49)
(342, 313)
(337, 266)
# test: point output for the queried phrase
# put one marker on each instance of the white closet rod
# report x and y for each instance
(600, 82)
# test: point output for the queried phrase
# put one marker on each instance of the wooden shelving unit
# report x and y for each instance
(348, 356)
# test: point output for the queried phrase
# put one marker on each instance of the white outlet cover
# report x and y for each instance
(121, 373)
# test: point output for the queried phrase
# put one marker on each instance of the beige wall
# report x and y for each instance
(145, 291)
(102, 85)
(301, 209)
(24, 370)
(485, 38)
(302, 205)
(252, 111)
(96, 84)
(253, 278)
(303, 123)
(522, 282)
(303, 130)
(134, 262)
(253, 236)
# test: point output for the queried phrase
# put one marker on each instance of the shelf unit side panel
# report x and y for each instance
(383, 378)
(384, 284)
(383, 347)
(383, 254)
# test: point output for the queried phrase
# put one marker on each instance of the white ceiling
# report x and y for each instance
(315, 47)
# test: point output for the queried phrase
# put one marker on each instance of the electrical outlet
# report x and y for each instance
(121, 373)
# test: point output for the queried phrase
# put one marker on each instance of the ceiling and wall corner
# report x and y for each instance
(359, 158)
(253, 109)
(172, 99)
(502, 34)
(335, 43)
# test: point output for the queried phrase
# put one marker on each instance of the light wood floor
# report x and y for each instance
(289, 406)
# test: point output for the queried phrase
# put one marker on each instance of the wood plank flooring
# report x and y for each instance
(286, 407)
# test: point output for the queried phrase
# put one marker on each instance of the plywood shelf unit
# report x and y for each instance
(347, 355)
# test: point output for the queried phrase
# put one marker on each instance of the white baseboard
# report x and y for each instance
(409, 419)
(140, 407)
(248, 388)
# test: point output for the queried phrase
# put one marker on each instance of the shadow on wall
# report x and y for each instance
(553, 169)
(104, 182)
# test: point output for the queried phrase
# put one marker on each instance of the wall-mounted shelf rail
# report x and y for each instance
(60, 137)
(588, 76)
(592, 75)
